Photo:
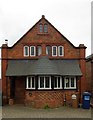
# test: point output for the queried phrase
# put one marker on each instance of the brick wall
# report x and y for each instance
(88, 75)
(52, 99)
(19, 90)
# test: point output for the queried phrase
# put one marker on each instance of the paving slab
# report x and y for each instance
(20, 111)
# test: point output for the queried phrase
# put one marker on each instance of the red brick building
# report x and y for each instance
(43, 68)
(89, 73)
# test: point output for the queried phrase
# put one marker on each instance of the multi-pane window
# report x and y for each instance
(57, 51)
(40, 28)
(32, 51)
(26, 51)
(57, 82)
(45, 28)
(70, 82)
(30, 82)
(44, 82)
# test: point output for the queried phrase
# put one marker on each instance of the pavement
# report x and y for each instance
(21, 111)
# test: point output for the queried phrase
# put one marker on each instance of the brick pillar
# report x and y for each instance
(4, 55)
(83, 83)
(43, 49)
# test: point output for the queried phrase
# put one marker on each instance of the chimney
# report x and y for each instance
(43, 16)
(6, 41)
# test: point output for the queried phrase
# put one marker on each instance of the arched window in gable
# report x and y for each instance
(45, 28)
(40, 27)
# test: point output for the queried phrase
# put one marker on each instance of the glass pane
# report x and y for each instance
(67, 82)
(33, 82)
(58, 82)
(39, 50)
(45, 28)
(54, 50)
(29, 82)
(47, 82)
(60, 51)
(32, 51)
(40, 28)
(48, 50)
(26, 50)
(72, 82)
(41, 82)
(55, 82)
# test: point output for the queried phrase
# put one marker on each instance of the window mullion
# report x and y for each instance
(34, 51)
(49, 82)
(75, 82)
(39, 82)
(57, 82)
(27, 82)
(44, 81)
(70, 82)
(60, 83)
(30, 82)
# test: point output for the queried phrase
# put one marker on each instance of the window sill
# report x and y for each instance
(57, 88)
(44, 88)
(42, 33)
(31, 88)
(70, 88)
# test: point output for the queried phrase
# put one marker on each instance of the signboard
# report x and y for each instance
(86, 97)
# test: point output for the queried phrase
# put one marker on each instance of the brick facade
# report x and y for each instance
(52, 99)
(89, 73)
(41, 98)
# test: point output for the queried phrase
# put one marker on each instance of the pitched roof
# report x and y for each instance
(43, 17)
(43, 66)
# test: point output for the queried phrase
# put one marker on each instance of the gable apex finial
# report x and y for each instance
(43, 16)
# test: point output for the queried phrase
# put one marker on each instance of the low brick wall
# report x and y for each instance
(52, 99)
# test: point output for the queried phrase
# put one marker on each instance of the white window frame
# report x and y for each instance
(34, 51)
(44, 82)
(25, 51)
(57, 83)
(59, 50)
(56, 50)
(27, 87)
(70, 83)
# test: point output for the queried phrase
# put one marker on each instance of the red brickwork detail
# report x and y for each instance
(40, 99)
(52, 38)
